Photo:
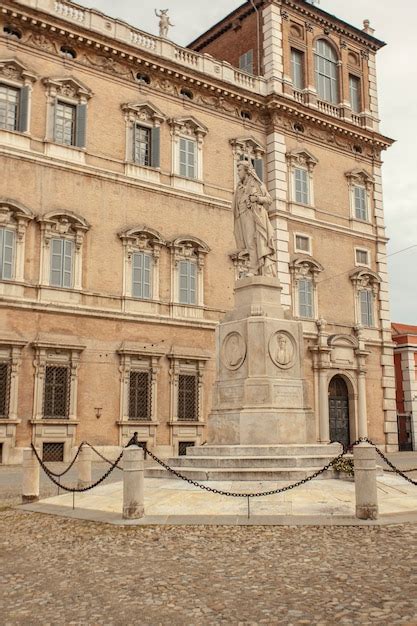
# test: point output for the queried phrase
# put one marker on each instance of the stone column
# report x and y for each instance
(362, 413)
(365, 481)
(324, 407)
(30, 476)
(133, 483)
(84, 467)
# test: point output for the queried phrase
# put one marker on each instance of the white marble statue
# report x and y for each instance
(253, 230)
(164, 22)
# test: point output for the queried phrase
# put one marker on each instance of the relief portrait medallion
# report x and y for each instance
(282, 349)
(233, 350)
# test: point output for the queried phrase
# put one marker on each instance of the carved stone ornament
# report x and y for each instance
(233, 351)
(282, 349)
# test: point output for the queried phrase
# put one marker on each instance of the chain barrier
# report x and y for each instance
(102, 456)
(75, 489)
(394, 469)
(59, 475)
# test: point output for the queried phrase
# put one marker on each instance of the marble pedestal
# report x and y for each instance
(259, 394)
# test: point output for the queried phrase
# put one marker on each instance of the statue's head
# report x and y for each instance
(164, 11)
(243, 169)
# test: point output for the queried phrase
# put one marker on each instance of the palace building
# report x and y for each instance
(118, 154)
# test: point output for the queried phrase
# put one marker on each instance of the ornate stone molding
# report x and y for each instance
(188, 126)
(15, 70)
(301, 157)
(143, 112)
(142, 238)
(305, 267)
(189, 247)
(67, 87)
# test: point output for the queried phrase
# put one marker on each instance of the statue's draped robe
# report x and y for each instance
(259, 239)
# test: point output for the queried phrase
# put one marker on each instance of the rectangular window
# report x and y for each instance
(188, 158)
(56, 399)
(7, 246)
(183, 445)
(62, 252)
(297, 68)
(9, 107)
(142, 275)
(187, 397)
(4, 389)
(246, 62)
(361, 209)
(142, 145)
(301, 178)
(302, 243)
(305, 298)
(355, 93)
(65, 123)
(140, 396)
(362, 257)
(366, 300)
(188, 282)
(53, 452)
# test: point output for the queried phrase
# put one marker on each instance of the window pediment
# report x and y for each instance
(144, 112)
(305, 267)
(343, 341)
(68, 87)
(360, 176)
(364, 278)
(187, 247)
(142, 238)
(302, 158)
(188, 125)
(15, 70)
(11, 211)
(247, 145)
(64, 224)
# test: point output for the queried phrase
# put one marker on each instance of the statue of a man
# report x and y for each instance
(164, 22)
(253, 230)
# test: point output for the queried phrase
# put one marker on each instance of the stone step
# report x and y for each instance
(239, 474)
(274, 462)
(284, 450)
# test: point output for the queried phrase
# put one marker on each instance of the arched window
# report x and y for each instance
(326, 65)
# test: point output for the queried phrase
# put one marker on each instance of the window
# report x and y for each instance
(188, 282)
(326, 66)
(360, 202)
(188, 154)
(12, 32)
(246, 62)
(142, 145)
(65, 122)
(362, 257)
(302, 244)
(140, 396)
(56, 392)
(141, 275)
(305, 298)
(187, 397)
(7, 247)
(366, 301)
(297, 68)
(68, 53)
(355, 93)
(183, 445)
(53, 452)
(61, 263)
(301, 181)
(4, 389)
(9, 107)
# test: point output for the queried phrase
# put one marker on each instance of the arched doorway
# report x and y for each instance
(339, 411)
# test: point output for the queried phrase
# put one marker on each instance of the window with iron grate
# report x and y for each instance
(53, 452)
(4, 389)
(56, 399)
(140, 396)
(183, 445)
(187, 397)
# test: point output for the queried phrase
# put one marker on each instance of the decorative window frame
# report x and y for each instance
(11, 352)
(368, 252)
(149, 116)
(310, 243)
(15, 216)
(339, 64)
(193, 362)
(301, 159)
(50, 350)
(360, 178)
(240, 260)
(248, 149)
(145, 358)
(187, 127)
(365, 279)
(62, 225)
(15, 74)
(71, 91)
(302, 267)
(186, 248)
(141, 239)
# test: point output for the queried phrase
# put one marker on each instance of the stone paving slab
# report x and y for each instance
(174, 502)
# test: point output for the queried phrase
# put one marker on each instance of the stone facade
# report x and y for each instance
(404, 337)
(118, 157)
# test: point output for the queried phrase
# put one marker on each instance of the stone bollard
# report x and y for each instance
(30, 476)
(133, 483)
(84, 467)
(364, 457)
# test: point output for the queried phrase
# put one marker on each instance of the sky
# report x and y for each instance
(397, 82)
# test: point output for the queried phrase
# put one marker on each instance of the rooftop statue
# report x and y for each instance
(164, 22)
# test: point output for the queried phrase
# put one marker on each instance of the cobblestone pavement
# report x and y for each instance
(62, 572)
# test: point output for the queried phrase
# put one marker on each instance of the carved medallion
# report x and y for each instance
(282, 349)
(233, 350)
